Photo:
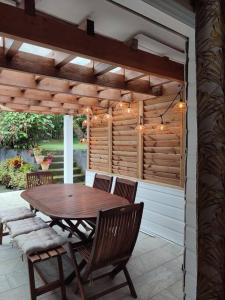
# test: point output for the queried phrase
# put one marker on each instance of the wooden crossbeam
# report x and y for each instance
(102, 68)
(42, 66)
(132, 75)
(44, 30)
(60, 58)
(11, 47)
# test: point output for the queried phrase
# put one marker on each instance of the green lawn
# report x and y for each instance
(52, 145)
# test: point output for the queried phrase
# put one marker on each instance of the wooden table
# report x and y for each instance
(71, 202)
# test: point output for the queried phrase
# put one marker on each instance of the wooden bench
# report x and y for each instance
(48, 286)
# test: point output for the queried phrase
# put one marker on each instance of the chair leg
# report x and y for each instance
(32, 280)
(130, 283)
(61, 277)
(1, 233)
(78, 277)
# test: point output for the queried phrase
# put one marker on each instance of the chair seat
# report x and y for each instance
(25, 226)
(39, 240)
(14, 214)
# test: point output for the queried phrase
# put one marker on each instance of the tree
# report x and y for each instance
(24, 130)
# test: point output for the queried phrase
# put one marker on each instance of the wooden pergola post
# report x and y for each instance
(211, 148)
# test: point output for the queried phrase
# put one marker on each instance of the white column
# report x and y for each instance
(68, 149)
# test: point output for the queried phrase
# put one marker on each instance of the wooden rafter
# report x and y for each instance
(11, 47)
(132, 75)
(60, 58)
(102, 68)
(26, 62)
(44, 30)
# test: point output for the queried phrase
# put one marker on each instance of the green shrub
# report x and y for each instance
(24, 130)
(13, 172)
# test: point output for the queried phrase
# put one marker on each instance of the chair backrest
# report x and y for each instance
(116, 234)
(103, 182)
(126, 189)
(35, 179)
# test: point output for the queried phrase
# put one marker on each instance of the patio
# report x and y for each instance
(156, 267)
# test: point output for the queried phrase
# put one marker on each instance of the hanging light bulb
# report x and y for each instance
(162, 125)
(181, 105)
(140, 127)
(129, 109)
(95, 119)
(84, 123)
(83, 140)
(119, 105)
(107, 117)
(87, 111)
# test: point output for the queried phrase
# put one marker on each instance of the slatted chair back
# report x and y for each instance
(126, 189)
(35, 179)
(103, 182)
(116, 235)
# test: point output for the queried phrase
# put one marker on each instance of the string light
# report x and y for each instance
(95, 118)
(129, 109)
(87, 111)
(107, 117)
(140, 127)
(84, 123)
(83, 140)
(162, 125)
(180, 105)
(119, 105)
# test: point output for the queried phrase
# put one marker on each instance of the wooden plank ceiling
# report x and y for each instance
(54, 84)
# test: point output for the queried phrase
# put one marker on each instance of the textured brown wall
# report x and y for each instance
(211, 148)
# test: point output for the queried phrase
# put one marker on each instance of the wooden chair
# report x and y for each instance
(103, 182)
(114, 241)
(35, 179)
(126, 189)
(48, 286)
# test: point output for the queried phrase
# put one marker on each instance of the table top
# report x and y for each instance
(71, 201)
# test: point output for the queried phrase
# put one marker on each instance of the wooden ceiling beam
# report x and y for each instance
(132, 75)
(102, 68)
(11, 47)
(42, 67)
(44, 30)
(60, 58)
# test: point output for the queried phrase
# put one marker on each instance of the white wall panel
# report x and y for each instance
(163, 209)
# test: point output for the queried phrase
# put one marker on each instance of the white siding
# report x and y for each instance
(163, 209)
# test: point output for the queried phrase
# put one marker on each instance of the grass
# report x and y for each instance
(52, 145)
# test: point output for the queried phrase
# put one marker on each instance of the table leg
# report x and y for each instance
(75, 229)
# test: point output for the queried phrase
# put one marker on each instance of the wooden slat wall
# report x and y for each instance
(125, 143)
(157, 156)
(162, 149)
(98, 145)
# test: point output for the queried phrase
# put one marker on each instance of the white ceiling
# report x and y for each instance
(110, 20)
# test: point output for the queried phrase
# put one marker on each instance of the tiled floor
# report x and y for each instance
(156, 269)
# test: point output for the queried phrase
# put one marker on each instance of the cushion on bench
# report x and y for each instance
(14, 214)
(25, 226)
(40, 240)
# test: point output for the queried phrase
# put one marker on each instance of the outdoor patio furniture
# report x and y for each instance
(39, 246)
(35, 179)
(126, 189)
(109, 247)
(39, 178)
(13, 214)
(25, 226)
(71, 202)
(103, 182)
